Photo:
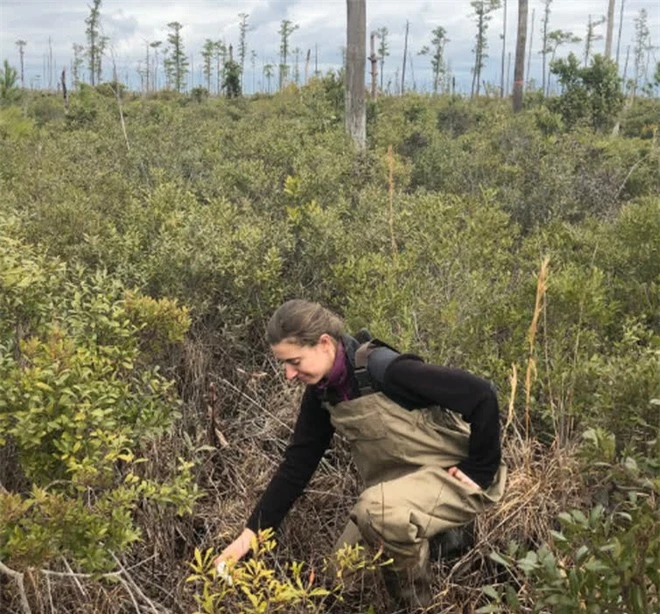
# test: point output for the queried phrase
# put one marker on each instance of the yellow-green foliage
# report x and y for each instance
(220, 210)
(161, 321)
(239, 205)
(78, 400)
(13, 125)
(607, 560)
(259, 585)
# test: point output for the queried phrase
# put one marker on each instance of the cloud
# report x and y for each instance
(131, 25)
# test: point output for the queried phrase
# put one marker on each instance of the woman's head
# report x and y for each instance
(304, 336)
(302, 322)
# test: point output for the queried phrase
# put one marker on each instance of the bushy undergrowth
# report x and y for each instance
(80, 399)
(230, 207)
(259, 584)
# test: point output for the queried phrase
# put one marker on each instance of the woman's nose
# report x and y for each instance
(290, 371)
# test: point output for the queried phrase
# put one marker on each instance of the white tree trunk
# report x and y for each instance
(610, 29)
(356, 57)
(519, 69)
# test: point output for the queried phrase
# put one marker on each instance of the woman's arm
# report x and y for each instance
(460, 391)
(311, 437)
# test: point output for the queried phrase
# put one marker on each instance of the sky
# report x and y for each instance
(132, 24)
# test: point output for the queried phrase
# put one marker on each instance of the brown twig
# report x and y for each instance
(541, 288)
(18, 578)
(130, 583)
(390, 163)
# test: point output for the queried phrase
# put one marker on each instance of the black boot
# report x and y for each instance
(408, 582)
(452, 543)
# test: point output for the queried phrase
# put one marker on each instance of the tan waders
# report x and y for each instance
(402, 457)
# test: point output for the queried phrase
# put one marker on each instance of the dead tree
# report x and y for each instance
(356, 57)
(519, 69)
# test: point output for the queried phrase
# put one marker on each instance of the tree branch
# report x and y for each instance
(17, 576)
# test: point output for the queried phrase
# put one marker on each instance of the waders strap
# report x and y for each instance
(361, 374)
(371, 362)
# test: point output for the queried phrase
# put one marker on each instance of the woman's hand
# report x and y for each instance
(461, 477)
(237, 549)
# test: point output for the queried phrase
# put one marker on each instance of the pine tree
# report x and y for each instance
(220, 54)
(482, 13)
(436, 51)
(232, 76)
(208, 51)
(641, 49)
(155, 45)
(253, 65)
(95, 41)
(9, 91)
(591, 36)
(503, 37)
(269, 72)
(21, 54)
(177, 62)
(545, 50)
(286, 29)
(556, 39)
(77, 64)
(243, 29)
(383, 50)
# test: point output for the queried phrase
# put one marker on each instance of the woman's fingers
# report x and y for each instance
(237, 549)
(461, 477)
(222, 571)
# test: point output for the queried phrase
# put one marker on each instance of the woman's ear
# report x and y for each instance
(326, 341)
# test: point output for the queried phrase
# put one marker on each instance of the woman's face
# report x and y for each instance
(307, 363)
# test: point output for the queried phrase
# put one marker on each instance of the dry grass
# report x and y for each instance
(254, 410)
(541, 483)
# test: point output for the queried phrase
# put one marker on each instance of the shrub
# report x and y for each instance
(605, 560)
(78, 401)
(591, 94)
(257, 585)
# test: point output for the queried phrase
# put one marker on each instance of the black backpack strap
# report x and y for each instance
(371, 362)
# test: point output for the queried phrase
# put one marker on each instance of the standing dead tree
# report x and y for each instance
(519, 69)
(356, 57)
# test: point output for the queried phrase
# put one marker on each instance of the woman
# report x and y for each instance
(425, 440)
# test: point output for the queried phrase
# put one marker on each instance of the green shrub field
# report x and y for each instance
(144, 242)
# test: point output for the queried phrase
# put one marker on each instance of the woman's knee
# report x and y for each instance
(382, 520)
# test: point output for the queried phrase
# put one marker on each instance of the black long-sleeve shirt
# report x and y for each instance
(406, 378)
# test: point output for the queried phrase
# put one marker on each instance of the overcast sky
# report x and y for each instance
(130, 24)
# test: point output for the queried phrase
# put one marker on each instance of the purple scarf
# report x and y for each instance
(338, 377)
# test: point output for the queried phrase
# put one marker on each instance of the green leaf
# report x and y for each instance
(499, 559)
(490, 591)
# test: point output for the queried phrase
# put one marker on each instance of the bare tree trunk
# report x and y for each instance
(405, 54)
(531, 40)
(625, 67)
(373, 58)
(618, 42)
(519, 70)
(508, 72)
(356, 57)
(307, 59)
(503, 53)
(50, 63)
(65, 94)
(610, 28)
(412, 73)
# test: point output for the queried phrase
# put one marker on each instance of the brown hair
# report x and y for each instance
(302, 322)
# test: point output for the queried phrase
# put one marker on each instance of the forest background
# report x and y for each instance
(145, 238)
